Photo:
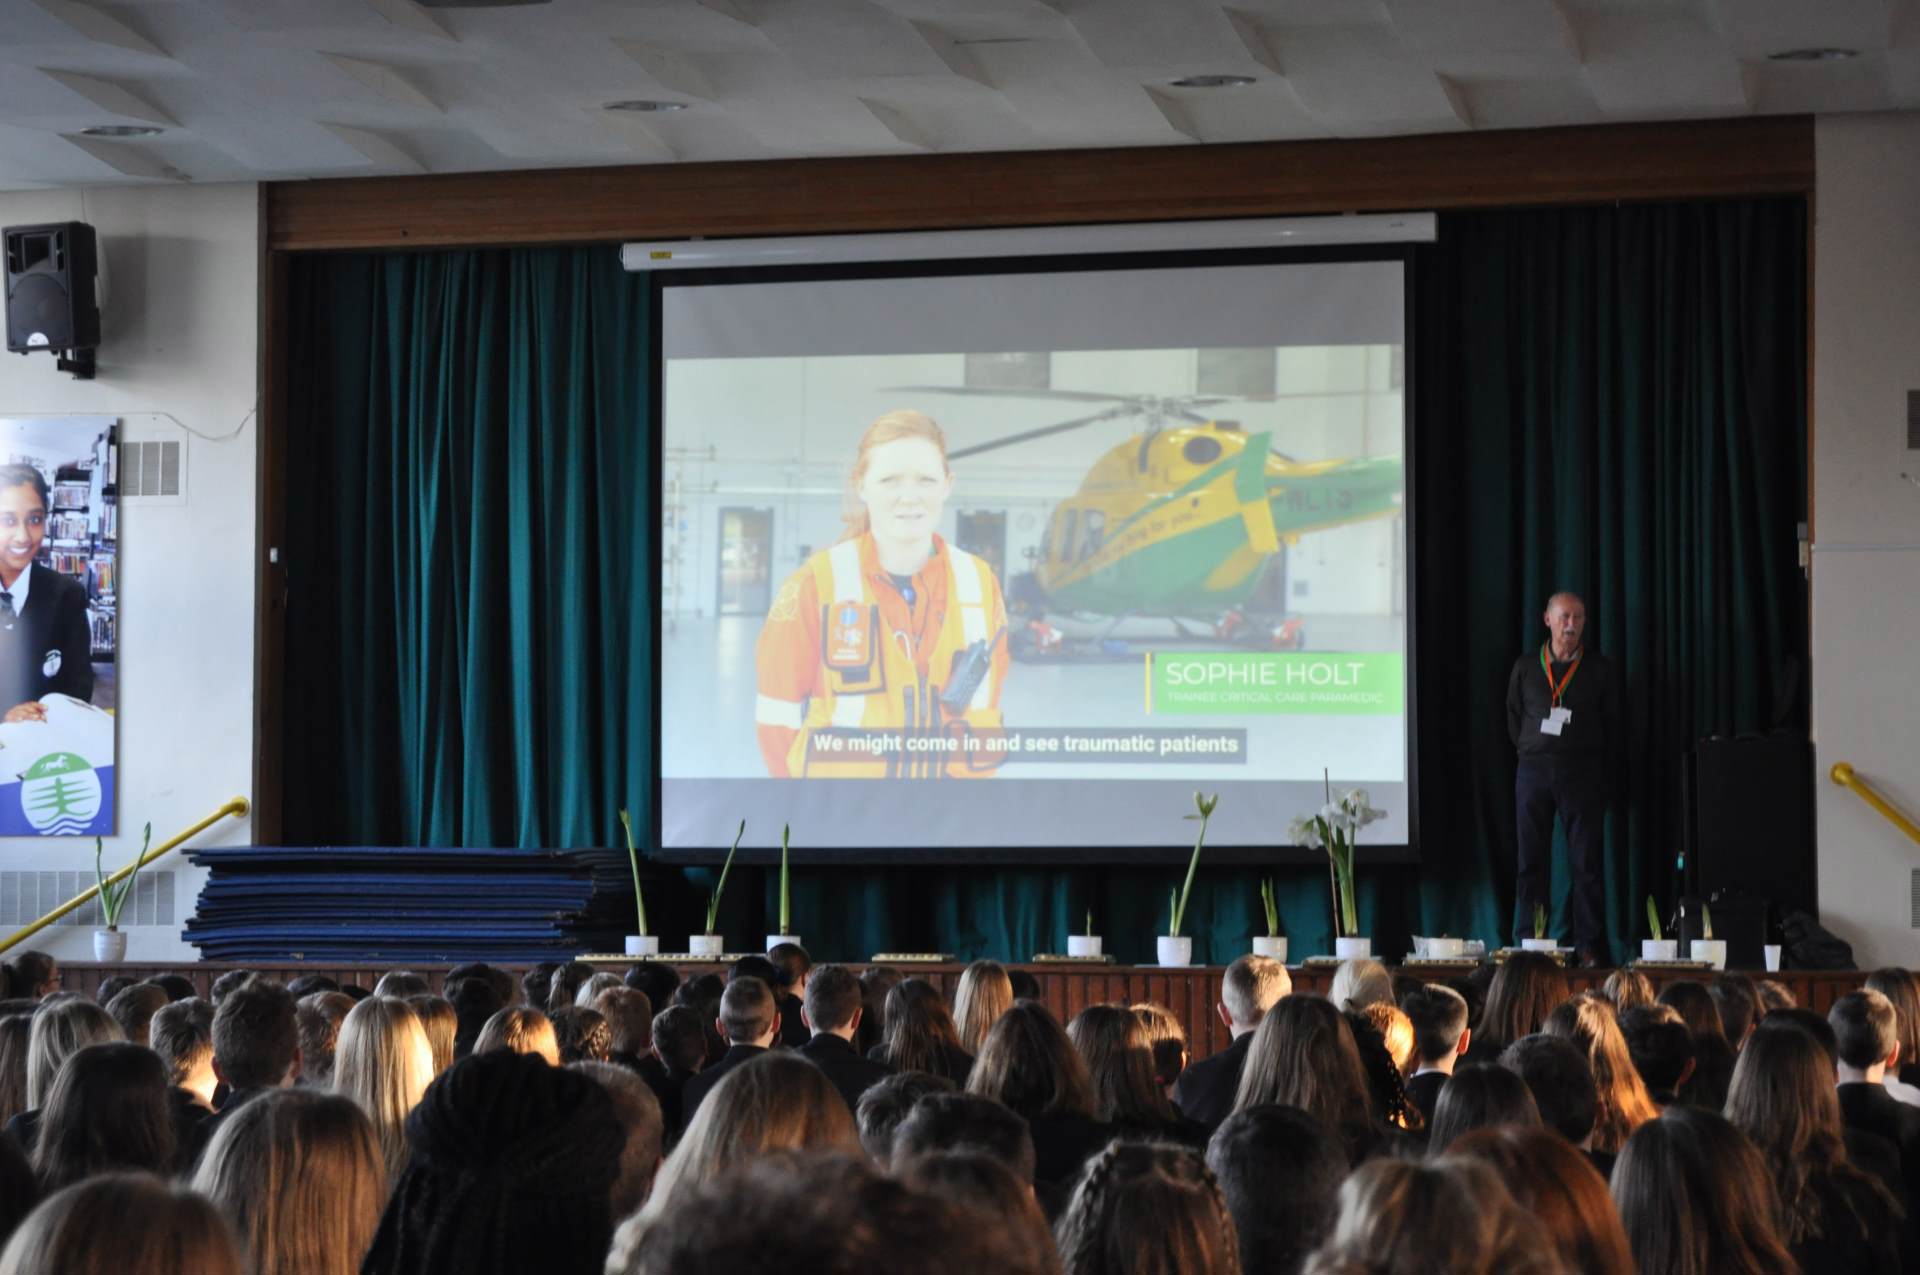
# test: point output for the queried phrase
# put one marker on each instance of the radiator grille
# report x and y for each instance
(150, 468)
(25, 897)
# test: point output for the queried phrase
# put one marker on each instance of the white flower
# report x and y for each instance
(1303, 832)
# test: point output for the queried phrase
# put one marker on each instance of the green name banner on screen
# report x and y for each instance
(1319, 682)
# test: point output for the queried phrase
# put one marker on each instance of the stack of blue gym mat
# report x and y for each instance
(383, 904)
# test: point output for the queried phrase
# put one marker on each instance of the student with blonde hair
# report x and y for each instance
(1623, 1103)
(522, 1030)
(384, 1063)
(1359, 983)
(300, 1176)
(58, 1031)
(985, 992)
(121, 1223)
(439, 1022)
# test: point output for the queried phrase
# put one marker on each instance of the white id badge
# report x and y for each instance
(1555, 720)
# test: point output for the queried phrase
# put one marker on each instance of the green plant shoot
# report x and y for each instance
(114, 897)
(633, 861)
(1272, 907)
(1204, 805)
(785, 831)
(1539, 920)
(713, 900)
(1706, 923)
(1653, 919)
(1089, 922)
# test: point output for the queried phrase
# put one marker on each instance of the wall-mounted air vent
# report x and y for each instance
(153, 469)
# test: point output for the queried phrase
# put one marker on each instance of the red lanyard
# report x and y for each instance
(1561, 688)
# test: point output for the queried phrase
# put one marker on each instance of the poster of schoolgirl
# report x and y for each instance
(59, 560)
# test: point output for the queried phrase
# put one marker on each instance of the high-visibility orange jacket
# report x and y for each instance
(843, 651)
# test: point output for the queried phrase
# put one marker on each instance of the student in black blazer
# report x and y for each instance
(831, 1011)
(1866, 1033)
(1252, 986)
(750, 1021)
(46, 643)
(1440, 1039)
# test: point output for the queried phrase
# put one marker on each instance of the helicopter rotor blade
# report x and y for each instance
(1026, 436)
(981, 391)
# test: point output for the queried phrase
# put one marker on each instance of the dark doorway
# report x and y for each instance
(983, 532)
(746, 561)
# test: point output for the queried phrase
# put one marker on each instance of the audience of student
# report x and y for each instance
(181, 1034)
(316, 1019)
(1304, 1056)
(33, 975)
(58, 1031)
(401, 984)
(1837, 1218)
(1386, 1085)
(519, 1031)
(1627, 989)
(921, 1035)
(15, 1029)
(680, 1046)
(384, 1063)
(1279, 1170)
(1147, 1208)
(112, 987)
(512, 1170)
(1025, 986)
(883, 1107)
(984, 993)
(584, 996)
(952, 1121)
(19, 1189)
(1773, 994)
(134, 1007)
(1396, 1033)
(1126, 1095)
(107, 1112)
(310, 984)
(1438, 1016)
(1208, 1089)
(1446, 1217)
(750, 1020)
(629, 1016)
(535, 984)
(1623, 1103)
(439, 1021)
(1168, 1041)
(1528, 986)
(876, 981)
(832, 1012)
(1479, 1096)
(1695, 1198)
(702, 994)
(565, 985)
(475, 999)
(1712, 1050)
(1739, 1006)
(791, 969)
(300, 1176)
(1028, 1063)
(177, 986)
(1662, 1051)
(119, 1223)
(1557, 1186)
(227, 983)
(637, 1112)
(984, 1184)
(581, 1035)
(1867, 1038)
(657, 979)
(1561, 1081)
(1360, 983)
(1901, 987)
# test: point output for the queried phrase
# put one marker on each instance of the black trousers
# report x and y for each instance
(1575, 788)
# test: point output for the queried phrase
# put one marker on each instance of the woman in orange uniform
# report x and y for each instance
(884, 656)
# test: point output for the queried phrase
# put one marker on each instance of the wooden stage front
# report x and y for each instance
(1191, 993)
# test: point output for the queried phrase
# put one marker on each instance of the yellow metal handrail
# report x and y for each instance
(235, 808)
(1842, 774)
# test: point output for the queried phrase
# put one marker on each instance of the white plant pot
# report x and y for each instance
(1539, 945)
(1273, 945)
(1712, 951)
(643, 945)
(705, 945)
(1444, 948)
(1174, 951)
(775, 940)
(1353, 949)
(1659, 949)
(110, 946)
(1084, 945)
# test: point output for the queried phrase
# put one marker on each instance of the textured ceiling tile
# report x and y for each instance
(1785, 88)
(409, 16)
(681, 73)
(112, 99)
(1163, 38)
(1267, 110)
(1068, 99)
(1317, 13)
(1536, 34)
(379, 150)
(829, 38)
(1521, 103)
(1652, 60)
(101, 27)
(128, 160)
(1361, 76)
(390, 82)
(1755, 28)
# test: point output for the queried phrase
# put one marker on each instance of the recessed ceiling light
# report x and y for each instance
(645, 104)
(121, 130)
(1213, 81)
(1813, 55)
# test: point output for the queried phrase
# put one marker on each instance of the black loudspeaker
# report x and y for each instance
(1751, 819)
(50, 297)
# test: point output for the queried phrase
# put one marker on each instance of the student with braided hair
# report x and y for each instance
(512, 1171)
(1385, 1085)
(1147, 1209)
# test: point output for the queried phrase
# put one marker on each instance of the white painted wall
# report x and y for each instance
(180, 336)
(1866, 566)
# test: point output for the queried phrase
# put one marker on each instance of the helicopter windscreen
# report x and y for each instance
(1010, 561)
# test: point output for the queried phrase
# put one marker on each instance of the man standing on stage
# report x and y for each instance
(1564, 718)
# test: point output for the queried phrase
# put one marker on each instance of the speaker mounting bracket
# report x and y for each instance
(77, 362)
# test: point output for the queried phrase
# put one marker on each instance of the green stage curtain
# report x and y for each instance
(1606, 399)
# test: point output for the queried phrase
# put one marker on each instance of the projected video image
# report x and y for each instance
(1043, 576)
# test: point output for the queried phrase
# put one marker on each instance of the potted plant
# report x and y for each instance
(1174, 948)
(1657, 948)
(775, 940)
(110, 943)
(1541, 940)
(1273, 943)
(643, 943)
(1087, 944)
(1333, 829)
(709, 943)
(1708, 948)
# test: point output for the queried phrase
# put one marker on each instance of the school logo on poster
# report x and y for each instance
(60, 794)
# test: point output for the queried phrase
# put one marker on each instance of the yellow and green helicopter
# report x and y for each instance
(1180, 521)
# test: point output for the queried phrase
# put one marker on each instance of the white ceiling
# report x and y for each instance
(266, 89)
